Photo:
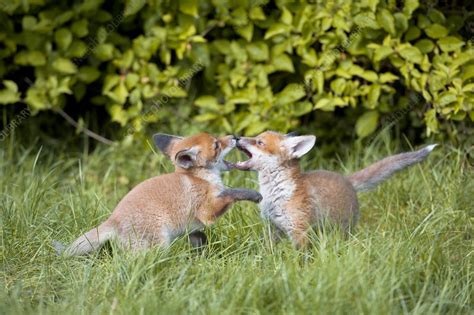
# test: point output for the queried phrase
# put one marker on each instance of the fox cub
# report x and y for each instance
(162, 208)
(293, 201)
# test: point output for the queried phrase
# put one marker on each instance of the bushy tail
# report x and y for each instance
(376, 173)
(87, 242)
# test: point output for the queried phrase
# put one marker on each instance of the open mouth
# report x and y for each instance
(244, 165)
(241, 165)
(247, 152)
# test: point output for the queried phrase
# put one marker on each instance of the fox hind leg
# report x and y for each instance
(197, 239)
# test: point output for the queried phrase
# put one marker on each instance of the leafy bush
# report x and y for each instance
(244, 66)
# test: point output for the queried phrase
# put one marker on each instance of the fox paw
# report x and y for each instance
(255, 196)
(197, 239)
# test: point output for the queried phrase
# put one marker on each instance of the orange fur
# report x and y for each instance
(161, 208)
(294, 200)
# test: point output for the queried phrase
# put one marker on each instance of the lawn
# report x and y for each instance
(412, 251)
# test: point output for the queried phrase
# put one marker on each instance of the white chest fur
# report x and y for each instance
(277, 188)
(213, 176)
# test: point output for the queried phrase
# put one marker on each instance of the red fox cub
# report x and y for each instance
(293, 201)
(162, 208)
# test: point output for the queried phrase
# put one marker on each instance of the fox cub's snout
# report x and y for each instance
(162, 208)
(199, 151)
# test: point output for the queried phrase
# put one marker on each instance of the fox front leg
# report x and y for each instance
(240, 194)
(224, 200)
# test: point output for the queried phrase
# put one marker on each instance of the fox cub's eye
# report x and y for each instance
(260, 142)
(216, 145)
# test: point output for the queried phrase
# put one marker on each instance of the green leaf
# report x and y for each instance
(30, 58)
(189, 7)
(325, 104)
(366, 20)
(118, 114)
(468, 87)
(206, 117)
(29, 23)
(256, 128)
(446, 98)
(431, 121)
(436, 16)
(401, 22)
(131, 80)
(436, 31)
(88, 74)
(119, 94)
(256, 13)
(77, 49)
(367, 124)
(387, 77)
(104, 52)
(283, 63)
(302, 108)
(174, 91)
(425, 45)
(369, 75)
(110, 81)
(64, 65)
(286, 16)
(338, 85)
(411, 54)
(36, 99)
(10, 94)
(468, 72)
(410, 6)
(207, 102)
(80, 28)
(276, 29)
(10, 85)
(373, 4)
(386, 20)
(382, 52)
(133, 6)
(245, 31)
(373, 96)
(450, 43)
(412, 33)
(291, 93)
(63, 38)
(258, 51)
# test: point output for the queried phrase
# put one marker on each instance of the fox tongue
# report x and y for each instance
(243, 166)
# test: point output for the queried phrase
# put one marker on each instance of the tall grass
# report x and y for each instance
(411, 253)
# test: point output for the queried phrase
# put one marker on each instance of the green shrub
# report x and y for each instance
(244, 66)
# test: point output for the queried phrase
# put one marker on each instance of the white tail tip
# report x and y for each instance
(431, 147)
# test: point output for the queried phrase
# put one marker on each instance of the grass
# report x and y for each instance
(411, 253)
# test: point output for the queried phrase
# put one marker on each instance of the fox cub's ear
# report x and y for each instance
(186, 158)
(164, 142)
(299, 145)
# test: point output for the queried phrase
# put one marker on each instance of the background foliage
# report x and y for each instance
(243, 66)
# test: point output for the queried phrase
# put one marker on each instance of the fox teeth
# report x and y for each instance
(242, 165)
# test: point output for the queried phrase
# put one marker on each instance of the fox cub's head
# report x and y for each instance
(198, 151)
(271, 149)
